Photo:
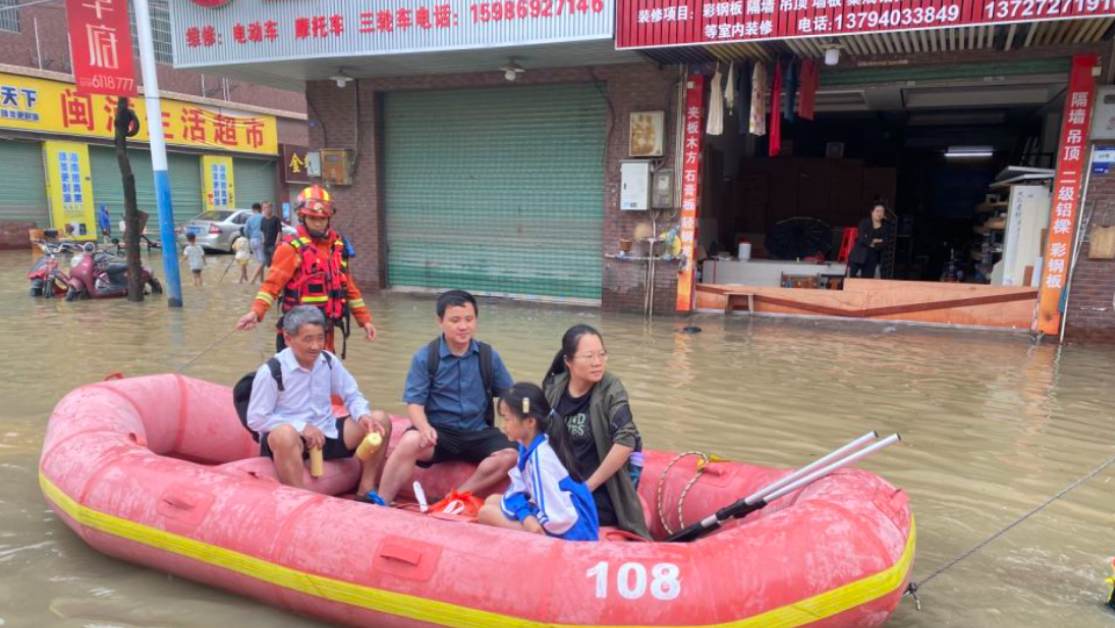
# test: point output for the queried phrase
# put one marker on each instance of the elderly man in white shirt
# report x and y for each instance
(299, 417)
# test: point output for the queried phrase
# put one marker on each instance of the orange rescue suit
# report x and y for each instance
(285, 264)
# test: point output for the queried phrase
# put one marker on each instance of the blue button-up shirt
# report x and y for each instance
(252, 228)
(456, 398)
(306, 398)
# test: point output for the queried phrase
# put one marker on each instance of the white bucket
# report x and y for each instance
(744, 250)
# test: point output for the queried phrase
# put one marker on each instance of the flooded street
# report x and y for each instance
(992, 427)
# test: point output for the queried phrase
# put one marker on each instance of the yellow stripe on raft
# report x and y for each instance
(809, 610)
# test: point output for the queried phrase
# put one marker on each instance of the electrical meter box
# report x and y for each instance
(662, 189)
(634, 187)
(1103, 121)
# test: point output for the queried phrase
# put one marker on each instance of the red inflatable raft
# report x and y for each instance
(158, 471)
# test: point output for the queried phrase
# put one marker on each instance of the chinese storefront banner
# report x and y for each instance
(69, 187)
(1065, 203)
(690, 190)
(654, 23)
(264, 30)
(296, 164)
(38, 105)
(101, 47)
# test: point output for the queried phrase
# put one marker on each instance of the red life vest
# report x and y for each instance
(318, 280)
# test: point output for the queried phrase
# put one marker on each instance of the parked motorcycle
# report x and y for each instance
(47, 276)
(99, 275)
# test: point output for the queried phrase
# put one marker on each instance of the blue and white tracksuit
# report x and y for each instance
(541, 487)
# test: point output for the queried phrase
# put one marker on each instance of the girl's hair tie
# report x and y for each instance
(526, 406)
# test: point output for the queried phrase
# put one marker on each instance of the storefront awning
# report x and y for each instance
(1004, 37)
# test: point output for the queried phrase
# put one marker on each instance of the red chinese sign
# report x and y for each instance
(1071, 164)
(101, 44)
(690, 189)
(654, 23)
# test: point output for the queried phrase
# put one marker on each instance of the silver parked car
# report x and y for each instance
(217, 229)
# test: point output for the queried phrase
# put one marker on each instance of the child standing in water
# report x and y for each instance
(195, 257)
(545, 495)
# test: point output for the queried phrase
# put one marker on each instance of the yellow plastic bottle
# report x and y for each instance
(316, 462)
(369, 445)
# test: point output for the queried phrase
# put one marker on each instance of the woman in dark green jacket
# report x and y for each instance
(593, 408)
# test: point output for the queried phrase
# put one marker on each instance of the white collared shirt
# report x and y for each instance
(306, 398)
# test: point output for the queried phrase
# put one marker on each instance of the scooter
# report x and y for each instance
(99, 275)
(46, 275)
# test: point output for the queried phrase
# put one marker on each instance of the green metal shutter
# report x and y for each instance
(254, 180)
(23, 193)
(108, 187)
(496, 190)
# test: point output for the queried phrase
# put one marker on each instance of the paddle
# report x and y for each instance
(798, 479)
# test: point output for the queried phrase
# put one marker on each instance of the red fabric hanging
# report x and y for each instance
(810, 80)
(775, 141)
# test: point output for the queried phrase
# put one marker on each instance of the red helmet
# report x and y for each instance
(315, 201)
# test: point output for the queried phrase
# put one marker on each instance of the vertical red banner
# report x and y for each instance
(101, 45)
(1071, 163)
(690, 188)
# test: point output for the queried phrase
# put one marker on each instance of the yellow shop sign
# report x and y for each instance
(31, 104)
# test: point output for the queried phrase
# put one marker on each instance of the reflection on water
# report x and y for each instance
(992, 426)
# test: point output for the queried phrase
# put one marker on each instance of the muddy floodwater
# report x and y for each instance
(992, 425)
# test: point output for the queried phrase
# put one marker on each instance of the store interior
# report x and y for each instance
(942, 154)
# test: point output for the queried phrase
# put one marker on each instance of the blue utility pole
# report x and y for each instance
(158, 153)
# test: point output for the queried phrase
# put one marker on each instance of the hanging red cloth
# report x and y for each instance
(810, 80)
(775, 141)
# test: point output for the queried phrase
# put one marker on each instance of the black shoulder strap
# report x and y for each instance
(433, 358)
(328, 361)
(486, 377)
(276, 372)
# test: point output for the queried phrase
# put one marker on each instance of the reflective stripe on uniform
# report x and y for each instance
(355, 303)
(263, 296)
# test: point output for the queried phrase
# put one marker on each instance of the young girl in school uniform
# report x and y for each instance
(545, 495)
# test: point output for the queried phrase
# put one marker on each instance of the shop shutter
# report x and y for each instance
(254, 180)
(496, 190)
(108, 187)
(23, 193)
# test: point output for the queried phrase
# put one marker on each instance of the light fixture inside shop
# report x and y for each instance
(832, 55)
(969, 152)
(512, 70)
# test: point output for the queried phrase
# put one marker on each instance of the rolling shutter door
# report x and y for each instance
(496, 190)
(108, 187)
(23, 194)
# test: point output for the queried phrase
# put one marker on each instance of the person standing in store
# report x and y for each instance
(254, 234)
(270, 228)
(870, 242)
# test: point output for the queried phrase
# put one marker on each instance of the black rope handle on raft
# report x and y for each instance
(913, 588)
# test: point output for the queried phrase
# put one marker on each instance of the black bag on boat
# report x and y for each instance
(242, 391)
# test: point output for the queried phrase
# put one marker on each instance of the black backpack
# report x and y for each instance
(242, 391)
(433, 359)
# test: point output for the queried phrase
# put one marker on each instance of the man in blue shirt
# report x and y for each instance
(253, 230)
(299, 416)
(451, 412)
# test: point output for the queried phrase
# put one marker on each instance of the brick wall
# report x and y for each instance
(1091, 314)
(19, 49)
(629, 88)
(625, 281)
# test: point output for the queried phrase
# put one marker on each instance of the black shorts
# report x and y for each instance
(467, 445)
(268, 253)
(334, 447)
(196, 271)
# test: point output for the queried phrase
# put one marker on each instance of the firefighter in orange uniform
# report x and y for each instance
(311, 269)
